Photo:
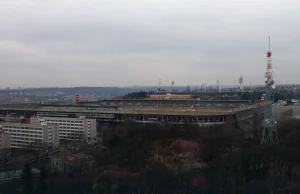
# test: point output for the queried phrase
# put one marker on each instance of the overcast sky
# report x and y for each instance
(136, 42)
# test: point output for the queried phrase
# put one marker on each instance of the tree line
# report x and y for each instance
(235, 163)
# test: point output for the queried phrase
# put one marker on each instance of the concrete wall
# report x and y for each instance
(93, 128)
(55, 136)
(45, 137)
(90, 129)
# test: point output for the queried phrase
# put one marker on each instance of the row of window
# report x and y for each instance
(66, 124)
(33, 142)
(74, 128)
(71, 131)
(64, 121)
(17, 127)
(70, 137)
(23, 138)
(20, 145)
(25, 135)
(71, 134)
(23, 131)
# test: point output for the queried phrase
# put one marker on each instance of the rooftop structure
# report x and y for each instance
(13, 119)
(169, 96)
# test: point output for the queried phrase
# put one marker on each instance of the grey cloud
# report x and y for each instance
(67, 43)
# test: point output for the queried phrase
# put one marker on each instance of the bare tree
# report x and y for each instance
(39, 147)
(4, 157)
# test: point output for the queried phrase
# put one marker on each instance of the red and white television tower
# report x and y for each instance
(269, 135)
(269, 72)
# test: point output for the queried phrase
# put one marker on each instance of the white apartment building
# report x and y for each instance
(71, 128)
(4, 141)
(31, 136)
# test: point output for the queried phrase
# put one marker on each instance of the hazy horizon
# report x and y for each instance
(139, 86)
(137, 42)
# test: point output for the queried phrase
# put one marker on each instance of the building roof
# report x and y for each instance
(72, 157)
(117, 175)
(164, 151)
(20, 124)
(181, 145)
(201, 111)
(198, 181)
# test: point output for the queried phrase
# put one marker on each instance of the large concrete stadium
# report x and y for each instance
(144, 111)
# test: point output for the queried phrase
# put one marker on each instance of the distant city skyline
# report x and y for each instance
(63, 43)
(137, 86)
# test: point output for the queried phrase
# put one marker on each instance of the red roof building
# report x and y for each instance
(198, 181)
(116, 176)
(179, 150)
(181, 145)
(118, 98)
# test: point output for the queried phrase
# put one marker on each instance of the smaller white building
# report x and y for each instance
(31, 136)
(4, 141)
(71, 128)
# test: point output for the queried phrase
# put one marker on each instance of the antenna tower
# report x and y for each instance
(269, 135)
(241, 82)
(218, 85)
(158, 86)
(173, 82)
